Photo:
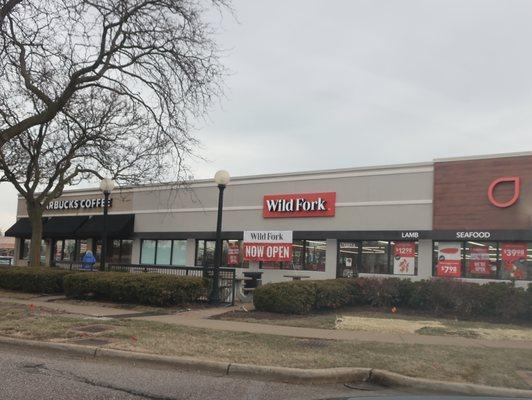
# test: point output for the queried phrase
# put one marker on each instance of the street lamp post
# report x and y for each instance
(106, 186)
(222, 179)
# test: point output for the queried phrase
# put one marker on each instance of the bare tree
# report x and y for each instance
(100, 85)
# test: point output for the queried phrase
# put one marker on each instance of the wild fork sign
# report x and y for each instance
(273, 246)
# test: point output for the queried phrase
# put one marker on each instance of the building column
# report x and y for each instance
(331, 258)
(424, 261)
(191, 252)
(135, 251)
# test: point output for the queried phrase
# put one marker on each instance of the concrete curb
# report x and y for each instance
(283, 374)
(392, 379)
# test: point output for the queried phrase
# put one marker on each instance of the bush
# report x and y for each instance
(297, 297)
(147, 289)
(438, 296)
(33, 280)
(332, 293)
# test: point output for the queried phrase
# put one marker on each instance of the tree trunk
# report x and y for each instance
(35, 215)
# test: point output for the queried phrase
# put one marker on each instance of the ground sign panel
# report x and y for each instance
(273, 246)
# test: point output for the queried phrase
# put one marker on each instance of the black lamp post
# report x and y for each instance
(222, 179)
(106, 186)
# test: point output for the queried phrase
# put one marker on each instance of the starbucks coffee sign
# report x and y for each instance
(78, 204)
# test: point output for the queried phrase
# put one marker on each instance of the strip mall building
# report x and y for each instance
(466, 218)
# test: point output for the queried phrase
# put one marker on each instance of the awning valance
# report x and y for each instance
(118, 226)
(83, 227)
(63, 227)
(21, 229)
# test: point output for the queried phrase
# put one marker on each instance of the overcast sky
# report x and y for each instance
(329, 84)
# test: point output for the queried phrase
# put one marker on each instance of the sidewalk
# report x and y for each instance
(329, 334)
(87, 310)
(200, 319)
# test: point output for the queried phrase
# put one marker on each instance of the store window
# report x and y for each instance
(120, 251)
(163, 255)
(348, 258)
(483, 260)
(164, 252)
(147, 252)
(58, 250)
(448, 259)
(375, 257)
(69, 250)
(25, 250)
(82, 248)
(231, 254)
(315, 251)
(307, 255)
(179, 252)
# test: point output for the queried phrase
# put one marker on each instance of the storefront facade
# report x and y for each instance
(456, 218)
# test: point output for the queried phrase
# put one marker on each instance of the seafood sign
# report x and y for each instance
(404, 258)
(273, 246)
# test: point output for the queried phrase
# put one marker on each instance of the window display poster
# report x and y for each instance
(449, 259)
(404, 258)
(233, 254)
(514, 257)
(479, 261)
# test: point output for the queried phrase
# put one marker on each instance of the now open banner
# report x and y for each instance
(272, 246)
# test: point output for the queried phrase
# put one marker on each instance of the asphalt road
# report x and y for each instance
(28, 375)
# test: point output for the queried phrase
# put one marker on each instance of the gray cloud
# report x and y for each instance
(342, 83)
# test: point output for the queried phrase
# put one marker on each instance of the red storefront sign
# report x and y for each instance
(479, 262)
(268, 246)
(449, 260)
(299, 205)
(233, 254)
(514, 257)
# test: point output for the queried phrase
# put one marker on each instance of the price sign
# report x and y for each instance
(233, 254)
(404, 258)
(514, 259)
(449, 260)
(450, 268)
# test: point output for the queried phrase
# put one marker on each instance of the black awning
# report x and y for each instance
(63, 227)
(118, 226)
(21, 229)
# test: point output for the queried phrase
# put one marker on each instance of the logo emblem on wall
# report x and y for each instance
(515, 180)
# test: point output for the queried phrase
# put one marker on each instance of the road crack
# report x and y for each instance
(42, 369)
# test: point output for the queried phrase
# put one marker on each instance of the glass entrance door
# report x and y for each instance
(348, 258)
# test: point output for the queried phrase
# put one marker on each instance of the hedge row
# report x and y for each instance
(439, 296)
(33, 280)
(147, 289)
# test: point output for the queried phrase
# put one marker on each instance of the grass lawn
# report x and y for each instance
(488, 366)
(363, 319)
